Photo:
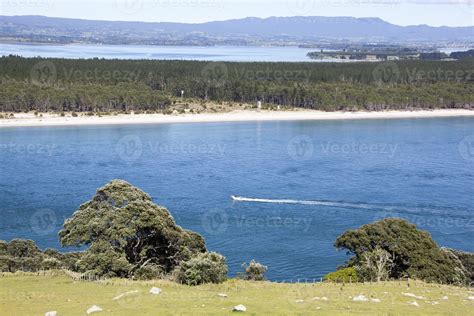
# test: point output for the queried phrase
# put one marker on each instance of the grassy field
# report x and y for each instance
(28, 294)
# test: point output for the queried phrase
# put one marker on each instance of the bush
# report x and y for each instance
(51, 264)
(3, 247)
(254, 271)
(148, 272)
(343, 275)
(208, 267)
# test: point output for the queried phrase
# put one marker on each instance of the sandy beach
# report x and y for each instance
(29, 119)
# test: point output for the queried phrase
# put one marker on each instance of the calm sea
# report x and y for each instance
(312, 181)
(213, 53)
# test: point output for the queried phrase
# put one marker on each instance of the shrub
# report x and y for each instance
(208, 267)
(21, 248)
(74, 114)
(148, 272)
(343, 275)
(51, 264)
(3, 247)
(254, 271)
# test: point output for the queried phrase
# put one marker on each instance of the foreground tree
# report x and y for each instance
(128, 234)
(412, 252)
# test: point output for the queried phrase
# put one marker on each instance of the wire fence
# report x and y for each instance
(91, 277)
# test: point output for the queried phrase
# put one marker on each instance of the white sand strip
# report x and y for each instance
(22, 119)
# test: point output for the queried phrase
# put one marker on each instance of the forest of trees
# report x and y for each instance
(99, 85)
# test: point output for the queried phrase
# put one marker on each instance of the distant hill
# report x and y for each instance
(246, 31)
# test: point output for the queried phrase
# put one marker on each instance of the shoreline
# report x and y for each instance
(49, 120)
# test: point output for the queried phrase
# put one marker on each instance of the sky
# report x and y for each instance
(401, 12)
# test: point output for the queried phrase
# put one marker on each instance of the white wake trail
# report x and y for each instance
(305, 202)
(414, 210)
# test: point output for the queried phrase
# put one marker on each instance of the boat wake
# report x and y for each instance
(432, 210)
(305, 202)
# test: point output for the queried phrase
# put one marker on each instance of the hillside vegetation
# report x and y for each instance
(99, 85)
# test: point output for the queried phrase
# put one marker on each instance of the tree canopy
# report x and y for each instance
(100, 85)
(414, 253)
(126, 232)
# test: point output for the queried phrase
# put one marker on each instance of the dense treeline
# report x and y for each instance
(124, 85)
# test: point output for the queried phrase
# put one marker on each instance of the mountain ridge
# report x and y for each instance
(296, 28)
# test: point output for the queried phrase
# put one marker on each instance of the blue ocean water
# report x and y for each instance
(203, 53)
(302, 183)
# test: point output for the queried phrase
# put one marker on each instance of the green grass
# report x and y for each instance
(29, 294)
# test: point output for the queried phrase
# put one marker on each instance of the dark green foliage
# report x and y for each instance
(21, 248)
(149, 272)
(467, 260)
(127, 231)
(24, 255)
(414, 252)
(209, 267)
(254, 271)
(101, 85)
(345, 275)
